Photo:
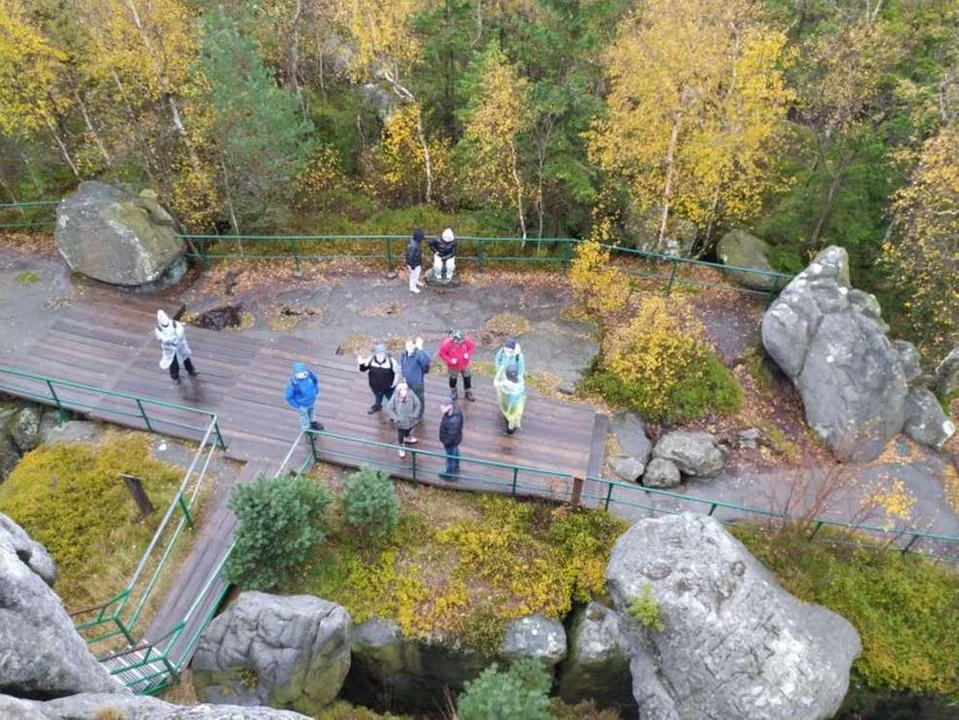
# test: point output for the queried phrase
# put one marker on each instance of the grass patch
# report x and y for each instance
(28, 278)
(755, 361)
(906, 610)
(464, 565)
(342, 710)
(780, 443)
(69, 497)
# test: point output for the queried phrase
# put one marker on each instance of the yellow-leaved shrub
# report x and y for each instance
(602, 288)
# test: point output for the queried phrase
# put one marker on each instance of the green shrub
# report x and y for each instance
(520, 692)
(342, 710)
(645, 610)
(584, 710)
(281, 522)
(69, 497)
(370, 502)
(905, 609)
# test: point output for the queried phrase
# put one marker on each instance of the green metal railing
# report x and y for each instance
(127, 409)
(615, 496)
(29, 214)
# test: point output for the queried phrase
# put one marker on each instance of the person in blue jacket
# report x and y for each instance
(415, 365)
(301, 392)
(510, 356)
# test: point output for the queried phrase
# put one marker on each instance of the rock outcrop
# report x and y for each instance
(947, 374)
(536, 637)
(41, 655)
(908, 358)
(696, 454)
(626, 468)
(131, 707)
(831, 342)
(283, 651)
(25, 428)
(734, 643)
(630, 433)
(597, 667)
(662, 473)
(117, 237)
(641, 231)
(742, 249)
(926, 423)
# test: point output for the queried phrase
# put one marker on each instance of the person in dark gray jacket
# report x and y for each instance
(451, 436)
(403, 410)
(414, 259)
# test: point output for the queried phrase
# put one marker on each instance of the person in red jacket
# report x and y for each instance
(456, 352)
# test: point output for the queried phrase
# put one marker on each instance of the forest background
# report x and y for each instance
(807, 122)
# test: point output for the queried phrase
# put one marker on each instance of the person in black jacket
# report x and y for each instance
(451, 435)
(414, 259)
(384, 374)
(444, 255)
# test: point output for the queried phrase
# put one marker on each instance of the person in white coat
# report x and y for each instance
(173, 342)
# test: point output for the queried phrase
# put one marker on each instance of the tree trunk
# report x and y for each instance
(181, 131)
(519, 189)
(427, 161)
(146, 152)
(13, 196)
(812, 244)
(710, 225)
(229, 204)
(63, 148)
(92, 130)
(295, 55)
(668, 183)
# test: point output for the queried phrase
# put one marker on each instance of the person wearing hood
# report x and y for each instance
(456, 352)
(302, 389)
(451, 436)
(444, 255)
(415, 365)
(511, 396)
(172, 337)
(510, 356)
(414, 259)
(383, 373)
(403, 410)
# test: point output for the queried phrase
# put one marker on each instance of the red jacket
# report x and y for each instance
(462, 353)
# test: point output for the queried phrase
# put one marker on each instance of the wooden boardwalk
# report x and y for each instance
(105, 339)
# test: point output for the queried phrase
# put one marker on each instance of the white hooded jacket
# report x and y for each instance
(172, 339)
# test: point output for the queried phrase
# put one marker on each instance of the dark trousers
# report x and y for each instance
(175, 368)
(401, 435)
(379, 397)
(420, 392)
(452, 458)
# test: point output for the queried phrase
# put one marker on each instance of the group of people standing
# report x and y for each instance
(398, 386)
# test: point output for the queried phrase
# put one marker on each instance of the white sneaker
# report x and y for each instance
(421, 283)
(402, 453)
(414, 289)
(412, 440)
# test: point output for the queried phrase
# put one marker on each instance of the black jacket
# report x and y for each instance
(414, 254)
(451, 428)
(445, 250)
(382, 375)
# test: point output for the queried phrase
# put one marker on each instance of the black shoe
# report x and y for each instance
(316, 426)
(453, 393)
(447, 477)
(176, 380)
(375, 408)
(194, 374)
(469, 396)
(510, 431)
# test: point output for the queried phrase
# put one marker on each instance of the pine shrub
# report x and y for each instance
(370, 502)
(281, 522)
(520, 692)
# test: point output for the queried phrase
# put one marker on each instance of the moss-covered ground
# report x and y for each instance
(461, 565)
(70, 498)
(906, 609)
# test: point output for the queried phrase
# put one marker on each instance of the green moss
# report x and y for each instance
(344, 711)
(28, 278)
(645, 610)
(906, 610)
(463, 575)
(70, 498)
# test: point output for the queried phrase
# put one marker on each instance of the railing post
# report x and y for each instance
(712, 509)
(389, 253)
(915, 537)
(186, 511)
(219, 437)
(672, 277)
(515, 475)
(772, 292)
(61, 413)
(819, 524)
(297, 270)
(567, 251)
(577, 494)
(143, 413)
(609, 495)
(415, 484)
(313, 446)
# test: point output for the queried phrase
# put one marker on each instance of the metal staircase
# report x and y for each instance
(143, 669)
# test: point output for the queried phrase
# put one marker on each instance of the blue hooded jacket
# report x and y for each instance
(302, 393)
(414, 366)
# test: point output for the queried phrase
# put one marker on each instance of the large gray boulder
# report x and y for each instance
(9, 455)
(131, 707)
(284, 651)
(626, 468)
(734, 643)
(742, 249)
(25, 428)
(908, 358)
(947, 374)
(926, 423)
(696, 454)
(641, 231)
(597, 666)
(535, 636)
(115, 236)
(831, 342)
(41, 655)
(662, 473)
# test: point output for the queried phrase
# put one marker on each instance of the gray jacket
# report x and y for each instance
(405, 414)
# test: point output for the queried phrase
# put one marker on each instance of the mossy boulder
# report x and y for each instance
(24, 427)
(117, 237)
(742, 249)
(287, 652)
(641, 231)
